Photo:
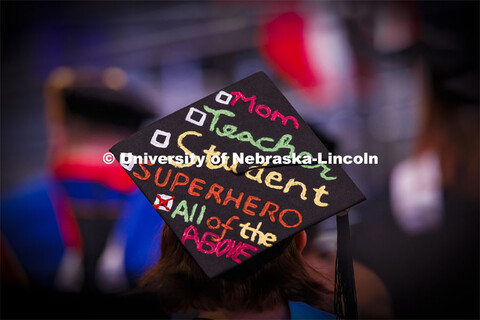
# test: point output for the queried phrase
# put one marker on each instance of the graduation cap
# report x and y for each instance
(102, 96)
(230, 175)
(105, 105)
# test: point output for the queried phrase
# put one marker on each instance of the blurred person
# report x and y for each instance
(435, 192)
(74, 228)
(426, 248)
(447, 153)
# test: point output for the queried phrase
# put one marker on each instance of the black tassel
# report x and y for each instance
(345, 293)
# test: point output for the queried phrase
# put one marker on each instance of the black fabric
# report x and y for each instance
(36, 303)
(106, 106)
(450, 45)
(345, 294)
(95, 224)
(434, 275)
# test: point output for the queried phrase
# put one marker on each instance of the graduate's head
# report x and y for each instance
(451, 103)
(93, 105)
(237, 205)
(180, 284)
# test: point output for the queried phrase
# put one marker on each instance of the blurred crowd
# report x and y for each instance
(395, 79)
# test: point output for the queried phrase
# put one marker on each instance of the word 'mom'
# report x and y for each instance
(260, 109)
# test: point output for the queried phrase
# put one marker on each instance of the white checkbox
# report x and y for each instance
(154, 141)
(196, 122)
(128, 165)
(226, 97)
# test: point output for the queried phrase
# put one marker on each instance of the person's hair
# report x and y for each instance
(451, 130)
(180, 284)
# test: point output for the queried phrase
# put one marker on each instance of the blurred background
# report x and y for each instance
(395, 79)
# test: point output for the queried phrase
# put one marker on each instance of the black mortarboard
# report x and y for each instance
(105, 97)
(246, 208)
(105, 105)
(450, 45)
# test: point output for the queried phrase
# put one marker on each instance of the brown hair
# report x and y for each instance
(180, 284)
(451, 130)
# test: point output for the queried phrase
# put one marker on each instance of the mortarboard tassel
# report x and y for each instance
(345, 294)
